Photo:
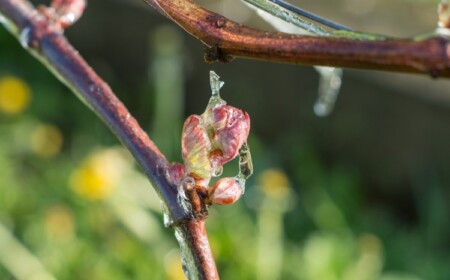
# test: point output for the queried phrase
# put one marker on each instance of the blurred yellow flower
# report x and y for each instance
(173, 267)
(274, 183)
(99, 174)
(46, 140)
(59, 223)
(370, 244)
(15, 95)
(369, 264)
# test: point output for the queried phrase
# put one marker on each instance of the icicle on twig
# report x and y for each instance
(288, 21)
(329, 86)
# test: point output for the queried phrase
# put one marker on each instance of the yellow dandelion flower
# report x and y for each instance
(98, 176)
(274, 183)
(15, 95)
(46, 140)
(90, 183)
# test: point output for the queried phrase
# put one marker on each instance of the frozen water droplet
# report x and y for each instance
(321, 109)
(329, 87)
(182, 199)
(68, 19)
(286, 16)
(217, 171)
(216, 85)
(187, 258)
(2, 19)
(245, 162)
(241, 181)
(245, 166)
(24, 37)
(167, 219)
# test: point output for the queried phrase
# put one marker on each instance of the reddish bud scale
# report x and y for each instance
(228, 129)
(196, 146)
(231, 127)
(176, 172)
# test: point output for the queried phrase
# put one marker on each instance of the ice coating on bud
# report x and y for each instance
(217, 170)
(195, 148)
(214, 138)
(216, 85)
(24, 37)
(228, 127)
(208, 142)
(245, 164)
(226, 191)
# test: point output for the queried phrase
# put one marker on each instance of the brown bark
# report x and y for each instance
(42, 37)
(227, 39)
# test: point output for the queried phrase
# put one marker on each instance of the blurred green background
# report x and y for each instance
(361, 194)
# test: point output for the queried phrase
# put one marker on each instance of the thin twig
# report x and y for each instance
(48, 44)
(227, 39)
(44, 39)
(194, 233)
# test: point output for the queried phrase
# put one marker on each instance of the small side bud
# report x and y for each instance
(176, 172)
(226, 191)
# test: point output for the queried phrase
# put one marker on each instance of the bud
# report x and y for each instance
(230, 128)
(195, 148)
(176, 172)
(226, 191)
(208, 142)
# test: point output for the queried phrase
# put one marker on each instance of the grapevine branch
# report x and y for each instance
(226, 39)
(43, 37)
